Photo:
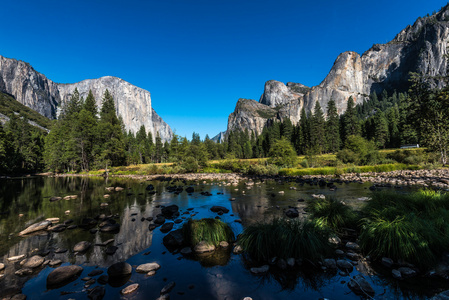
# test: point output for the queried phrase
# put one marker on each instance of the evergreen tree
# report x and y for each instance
(304, 131)
(158, 151)
(381, 129)
(333, 140)
(317, 130)
(350, 121)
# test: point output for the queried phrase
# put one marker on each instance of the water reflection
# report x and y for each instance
(217, 275)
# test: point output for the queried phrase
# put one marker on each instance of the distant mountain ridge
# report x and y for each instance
(39, 93)
(421, 48)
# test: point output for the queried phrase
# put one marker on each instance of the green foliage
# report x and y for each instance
(257, 169)
(411, 227)
(282, 153)
(9, 106)
(212, 231)
(359, 151)
(333, 140)
(190, 164)
(284, 238)
(332, 213)
(409, 156)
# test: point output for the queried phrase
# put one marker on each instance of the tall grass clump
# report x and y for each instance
(210, 230)
(284, 238)
(412, 227)
(332, 213)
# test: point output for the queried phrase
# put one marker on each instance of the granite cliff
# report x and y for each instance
(421, 48)
(39, 93)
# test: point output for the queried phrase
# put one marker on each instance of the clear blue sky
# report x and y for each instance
(197, 58)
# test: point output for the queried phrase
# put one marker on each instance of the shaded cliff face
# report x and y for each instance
(34, 90)
(420, 48)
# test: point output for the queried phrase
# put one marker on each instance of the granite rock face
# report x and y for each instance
(36, 91)
(421, 48)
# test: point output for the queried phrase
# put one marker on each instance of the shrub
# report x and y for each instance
(210, 230)
(282, 153)
(190, 164)
(411, 157)
(284, 238)
(332, 213)
(358, 151)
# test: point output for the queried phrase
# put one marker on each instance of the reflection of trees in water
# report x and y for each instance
(310, 277)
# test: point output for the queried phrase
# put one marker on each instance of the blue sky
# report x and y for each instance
(198, 57)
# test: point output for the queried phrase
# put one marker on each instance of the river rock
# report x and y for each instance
(118, 189)
(166, 289)
(24, 272)
(352, 246)
(120, 269)
(16, 258)
(407, 272)
(148, 267)
(237, 249)
(52, 220)
(97, 293)
(19, 297)
(2, 266)
(57, 228)
(130, 289)
(396, 274)
(291, 262)
(103, 279)
(54, 262)
(203, 247)
(387, 262)
(190, 190)
(81, 247)
(330, 263)
(63, 275)
(224, 244)
(217, 209)
(113, 228)
(110, 250)
(260, 270)
(170, 211)
(174, 239)
(36, 227)
(54, 199)
(292, 213)
(345, 265)
(186, 251)
(441, 296)
(159, 220)
(32, 262)
(360, 286)
(167, 227)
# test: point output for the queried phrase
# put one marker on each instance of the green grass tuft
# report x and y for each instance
(210, 230)
(284, 238)
(332, 213)
(412, 227)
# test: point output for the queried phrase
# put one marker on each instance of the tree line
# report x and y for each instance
(86, 137)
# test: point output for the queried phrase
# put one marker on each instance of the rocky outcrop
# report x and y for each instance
(421, 48)
(36, 91)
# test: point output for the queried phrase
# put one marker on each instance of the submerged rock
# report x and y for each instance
(63, 275)
(174, 239)
(260, 270)
(33, 262)
(120, 269)
(166, 289)
(360, 286)
(97, 293)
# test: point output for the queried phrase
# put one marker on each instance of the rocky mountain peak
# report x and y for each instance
(34, 90)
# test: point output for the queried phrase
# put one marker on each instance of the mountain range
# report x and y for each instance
(420, 48)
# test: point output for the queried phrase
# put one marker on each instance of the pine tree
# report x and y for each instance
(158, 151)
(317, 130)
(381, 129)
(304, 125)
(90, 104)
(350, 120)
(332, 128)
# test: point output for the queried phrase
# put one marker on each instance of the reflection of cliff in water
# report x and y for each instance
(132, 238)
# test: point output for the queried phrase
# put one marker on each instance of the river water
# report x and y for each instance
(220, 276)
